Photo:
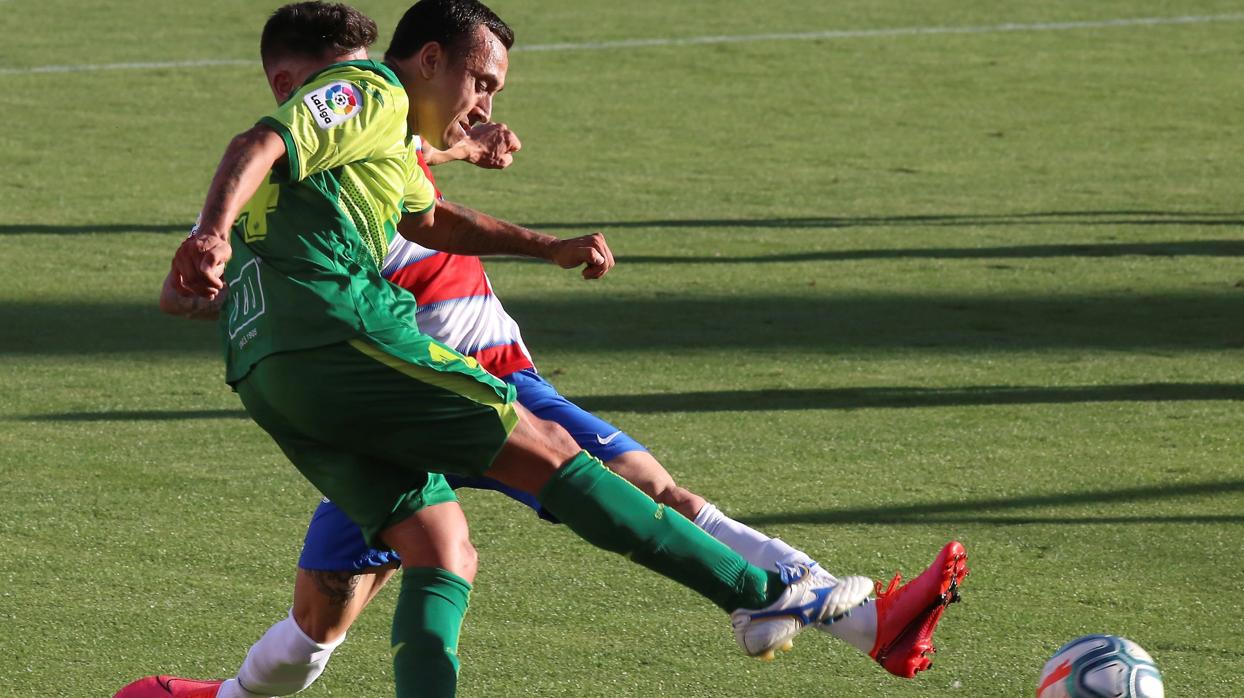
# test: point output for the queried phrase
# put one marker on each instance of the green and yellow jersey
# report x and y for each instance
(308, 245)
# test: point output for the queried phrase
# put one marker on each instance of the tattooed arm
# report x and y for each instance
(457, 229)
(199, 263)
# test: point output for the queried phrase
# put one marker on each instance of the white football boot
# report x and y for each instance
(808, 598)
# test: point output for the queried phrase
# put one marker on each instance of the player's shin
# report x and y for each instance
(426, 625)
(611, 513)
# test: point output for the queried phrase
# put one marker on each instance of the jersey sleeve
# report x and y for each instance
(341, 116)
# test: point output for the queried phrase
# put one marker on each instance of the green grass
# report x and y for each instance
(872, 294)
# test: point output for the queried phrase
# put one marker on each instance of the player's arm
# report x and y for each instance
(456, 229)
(491, 146)
(199, 263)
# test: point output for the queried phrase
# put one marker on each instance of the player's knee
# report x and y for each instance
(467, 562)
(542, 438)
(458, 556)
(646, 473)
(535, 450)
(558, 442)
(665, 490)
(662, 489)
(677, 498)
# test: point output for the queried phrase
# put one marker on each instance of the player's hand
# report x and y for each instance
(199, 265)
(591, 250)
(491, 146)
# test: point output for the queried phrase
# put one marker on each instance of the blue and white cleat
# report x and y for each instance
(809, 598)
(823, 578)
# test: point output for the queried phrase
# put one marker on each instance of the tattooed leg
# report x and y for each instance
(326, 604)
(294, 651)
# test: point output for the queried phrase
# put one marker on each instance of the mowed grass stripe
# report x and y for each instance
(978, 287)
(697, 41)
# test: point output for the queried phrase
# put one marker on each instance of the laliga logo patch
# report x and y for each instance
(334, 104)
(343, 98)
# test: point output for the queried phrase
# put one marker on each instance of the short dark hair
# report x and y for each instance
(450, 23)
(314, 30)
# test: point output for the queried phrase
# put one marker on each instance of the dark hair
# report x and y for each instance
(450, 23)
(315, 29)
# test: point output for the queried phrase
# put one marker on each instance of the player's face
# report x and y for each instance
(459, 93)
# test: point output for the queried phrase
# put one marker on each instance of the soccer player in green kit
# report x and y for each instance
(327, 358)
(295, 650)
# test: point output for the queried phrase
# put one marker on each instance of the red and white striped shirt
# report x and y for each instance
(457, 305)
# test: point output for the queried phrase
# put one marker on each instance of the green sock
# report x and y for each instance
(425, 632)
(611, 513)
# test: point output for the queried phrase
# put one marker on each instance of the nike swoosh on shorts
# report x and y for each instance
(606, 440)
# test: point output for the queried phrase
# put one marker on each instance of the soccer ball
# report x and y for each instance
(1100, 666)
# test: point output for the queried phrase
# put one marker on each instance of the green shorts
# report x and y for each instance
(373, 427)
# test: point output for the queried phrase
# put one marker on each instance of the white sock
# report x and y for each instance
(232, 689)
(858, 629)
(283, 662)
(755, 547)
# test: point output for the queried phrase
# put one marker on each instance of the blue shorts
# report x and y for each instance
(593, 434)
(335, 544)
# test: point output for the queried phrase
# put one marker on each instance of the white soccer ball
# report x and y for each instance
(1100, 666)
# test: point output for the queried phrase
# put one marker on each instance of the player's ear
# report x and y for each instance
(282, 84)
(429, 59)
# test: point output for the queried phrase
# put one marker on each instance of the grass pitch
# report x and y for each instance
(873, 293)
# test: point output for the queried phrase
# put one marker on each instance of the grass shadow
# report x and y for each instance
(984, 511)
(59, 328)
(91, 228)
(936, 322)
(1188, 248)
(901, 397)
(1145, 217)
(138, 415)
(944, 323)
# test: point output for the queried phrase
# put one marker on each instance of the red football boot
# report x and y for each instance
(908, 615)
(169, 687)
